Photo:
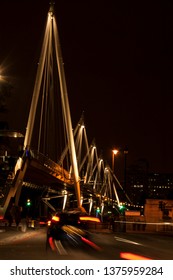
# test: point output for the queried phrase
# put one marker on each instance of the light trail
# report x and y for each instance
(60, 247)
(130, 256)
(127, 241)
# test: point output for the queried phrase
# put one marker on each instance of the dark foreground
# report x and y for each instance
(32, 245)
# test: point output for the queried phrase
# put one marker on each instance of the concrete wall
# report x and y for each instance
(158, 215)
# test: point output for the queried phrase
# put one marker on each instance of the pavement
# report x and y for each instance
(13, 234)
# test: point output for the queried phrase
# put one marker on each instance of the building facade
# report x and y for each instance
(142, 186)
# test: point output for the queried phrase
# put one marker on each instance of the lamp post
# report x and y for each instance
(114, 152)
(125, 167)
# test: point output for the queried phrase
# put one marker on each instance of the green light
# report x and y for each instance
(28, 203)
(122, 208)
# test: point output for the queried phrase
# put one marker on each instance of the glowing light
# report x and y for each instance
(42, 223)
(130, 256)
(28, 203)
(3, 69)
(126, 241)
(55, 218)
(73, 230)
(91, 219)
(90, 243)
(1, 76)
(52, 245)
(115, 152)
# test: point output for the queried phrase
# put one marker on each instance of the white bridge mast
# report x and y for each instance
(51, 28)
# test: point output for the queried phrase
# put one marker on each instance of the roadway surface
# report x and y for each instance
(31, 245)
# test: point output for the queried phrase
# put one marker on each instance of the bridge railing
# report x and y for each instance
(50, 164)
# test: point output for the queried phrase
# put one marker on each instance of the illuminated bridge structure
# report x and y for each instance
(56, 158)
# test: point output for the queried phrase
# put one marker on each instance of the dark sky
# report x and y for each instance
(118, 58)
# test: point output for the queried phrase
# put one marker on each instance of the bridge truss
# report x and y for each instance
(55, 157)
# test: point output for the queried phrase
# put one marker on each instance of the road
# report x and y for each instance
(31, 245)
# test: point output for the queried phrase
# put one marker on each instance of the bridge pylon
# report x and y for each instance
(51, 40)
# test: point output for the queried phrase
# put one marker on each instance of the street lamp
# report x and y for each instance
(114, 153)
(125, 166)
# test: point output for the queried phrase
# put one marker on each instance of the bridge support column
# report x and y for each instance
(65, 199)
(19, 181)
(18, 193)
(90, 205)
(102, 210)
(81, 200)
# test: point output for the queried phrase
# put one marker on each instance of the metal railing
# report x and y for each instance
(53, 167)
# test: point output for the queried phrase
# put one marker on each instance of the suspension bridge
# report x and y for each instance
(57, 158)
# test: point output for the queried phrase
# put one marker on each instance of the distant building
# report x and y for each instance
(11, 145)
(142, 186)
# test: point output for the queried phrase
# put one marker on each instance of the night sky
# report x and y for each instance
(118, 59)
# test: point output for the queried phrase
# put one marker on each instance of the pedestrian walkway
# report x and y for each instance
(12, 234)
